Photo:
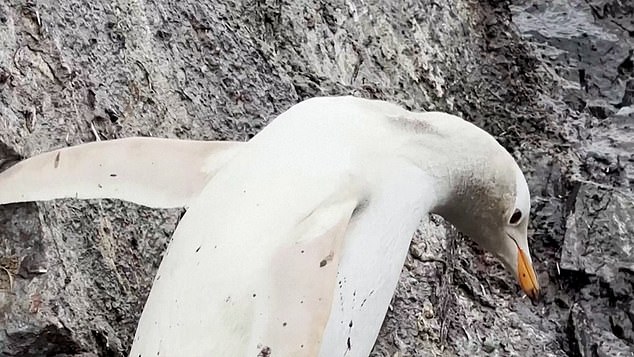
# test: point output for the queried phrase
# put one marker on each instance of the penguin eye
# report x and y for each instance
(516, 217)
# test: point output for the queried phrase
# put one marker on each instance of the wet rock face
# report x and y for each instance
(597, 248)
(588, 47)
(599, 232)
(74, 275)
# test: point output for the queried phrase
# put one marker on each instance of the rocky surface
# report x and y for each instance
(598, 232)
(587, 48)
(554, 83)
(598, 249)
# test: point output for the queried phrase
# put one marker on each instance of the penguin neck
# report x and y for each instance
(464, 165)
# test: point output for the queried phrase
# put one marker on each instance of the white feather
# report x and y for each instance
(160, 173)
(376, 245)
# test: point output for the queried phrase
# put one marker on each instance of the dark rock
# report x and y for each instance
(599, 233)
(628, 94)
(589, 341)
(600, 110)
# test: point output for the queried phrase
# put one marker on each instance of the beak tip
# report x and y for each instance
(535, 296)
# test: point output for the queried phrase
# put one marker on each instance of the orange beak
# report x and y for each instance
(527, 278)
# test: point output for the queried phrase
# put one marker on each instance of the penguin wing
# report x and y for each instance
(158, 173)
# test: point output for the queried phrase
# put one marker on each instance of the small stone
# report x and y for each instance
(488, 346)
(428, 310)
(416, 251)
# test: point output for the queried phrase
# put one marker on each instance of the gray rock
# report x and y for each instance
(592, 341)
(489, 345)
(600, 230)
